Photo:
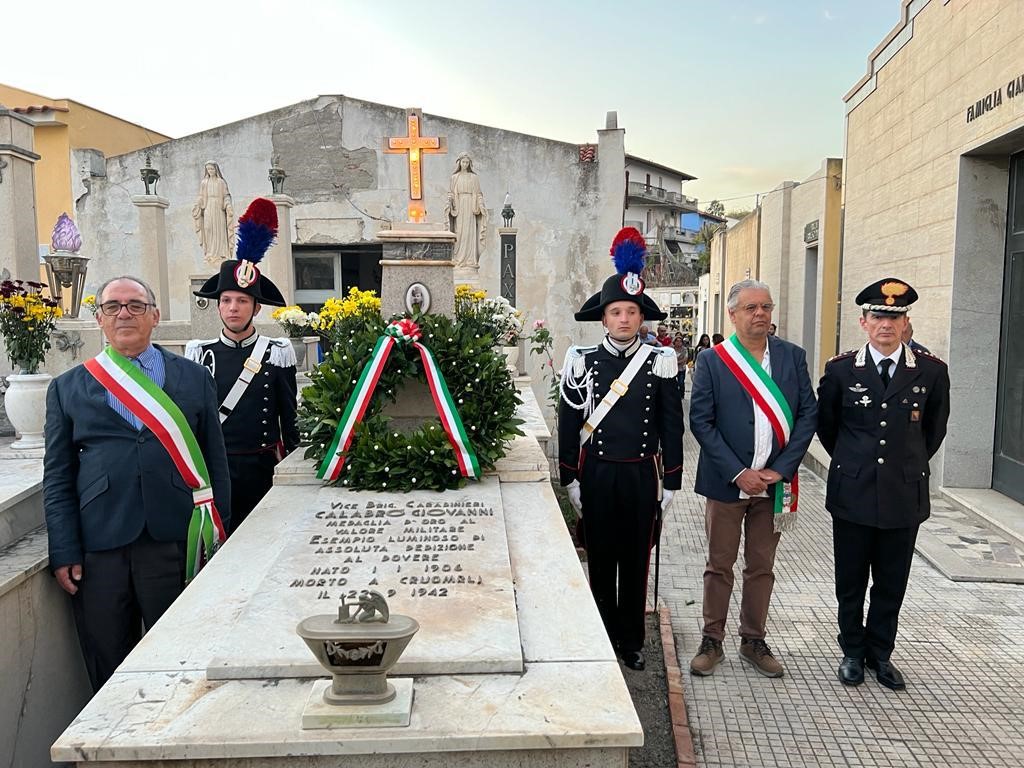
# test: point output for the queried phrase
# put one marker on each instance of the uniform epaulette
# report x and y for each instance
(574, 359)
(194, 349)
(929, 356)
(841, 355)
(665, 364)
(282, 353)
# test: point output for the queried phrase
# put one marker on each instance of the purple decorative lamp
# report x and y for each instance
(65, 268)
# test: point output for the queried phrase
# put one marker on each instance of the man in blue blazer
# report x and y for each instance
(117, 509)
(753, 412)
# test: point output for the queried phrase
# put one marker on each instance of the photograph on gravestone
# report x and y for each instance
(417, 299)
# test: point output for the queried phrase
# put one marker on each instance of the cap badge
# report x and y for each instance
(892, 290)
(246, 274)
(632, 284)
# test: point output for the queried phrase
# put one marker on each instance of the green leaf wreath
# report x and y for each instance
(381, 457)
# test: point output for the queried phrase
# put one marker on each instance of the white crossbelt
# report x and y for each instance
(618, 388)
(250, 368)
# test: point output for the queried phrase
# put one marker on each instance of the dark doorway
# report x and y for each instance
(323, 272)
(1008, 459)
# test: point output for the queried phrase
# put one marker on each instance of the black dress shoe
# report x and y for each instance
(633, 659)
(851, 671)
(886, 674)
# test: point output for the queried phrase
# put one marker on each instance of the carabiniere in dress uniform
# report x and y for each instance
(255, 374)
(619, 408)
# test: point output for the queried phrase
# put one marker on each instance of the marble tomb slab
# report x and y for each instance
(441, 558)
(182, 716)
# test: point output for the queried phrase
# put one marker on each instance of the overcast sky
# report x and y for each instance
(741, 94)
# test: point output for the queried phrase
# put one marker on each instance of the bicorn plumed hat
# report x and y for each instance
(257, 228)
(628, 251)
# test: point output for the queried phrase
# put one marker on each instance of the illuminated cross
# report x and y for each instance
(416, 145)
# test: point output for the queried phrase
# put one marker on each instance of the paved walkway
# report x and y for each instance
(961, 648)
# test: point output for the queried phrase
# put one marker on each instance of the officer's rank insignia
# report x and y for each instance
(865, 401)
(858, 388)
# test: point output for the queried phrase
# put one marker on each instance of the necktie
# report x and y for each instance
(886, 364)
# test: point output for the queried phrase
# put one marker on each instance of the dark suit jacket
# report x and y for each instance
(881, 439)
(104, 481)
(722, 419)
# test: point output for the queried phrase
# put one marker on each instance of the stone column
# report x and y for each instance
(19, 243)
(418, 253)
(277, 264)
(153, 232)
(507, 264)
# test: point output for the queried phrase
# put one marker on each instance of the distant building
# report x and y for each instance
(654, 205)
(61, 127)
(791, 241)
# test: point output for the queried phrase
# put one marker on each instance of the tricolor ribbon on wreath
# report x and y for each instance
(769, 399)
(151, 405)
(404, 332)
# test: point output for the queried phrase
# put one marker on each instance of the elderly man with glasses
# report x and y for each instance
(753, 412)
(135, 478)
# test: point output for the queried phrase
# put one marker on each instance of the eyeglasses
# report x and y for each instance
(111, 308)
(752, 308)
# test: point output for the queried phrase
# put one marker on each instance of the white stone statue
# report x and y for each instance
(214, 216)
(466, 213)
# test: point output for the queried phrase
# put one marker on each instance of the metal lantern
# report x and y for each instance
(65, 268)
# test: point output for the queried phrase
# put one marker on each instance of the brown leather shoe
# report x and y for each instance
(759, 656)
(708, 656)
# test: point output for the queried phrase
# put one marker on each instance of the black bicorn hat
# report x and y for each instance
(257, 228)
(890, 294)
(628, 252)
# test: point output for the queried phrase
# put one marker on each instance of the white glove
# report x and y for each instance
(574, 497)
(666, 499)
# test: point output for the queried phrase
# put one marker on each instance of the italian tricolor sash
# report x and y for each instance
(151, 405)
(769, 399)
(407, 332)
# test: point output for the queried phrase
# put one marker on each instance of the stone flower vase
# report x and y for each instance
(358, 652)
(25, 403)
(512, 358)
(299, 345)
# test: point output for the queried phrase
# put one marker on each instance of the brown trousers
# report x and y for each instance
(723, 522)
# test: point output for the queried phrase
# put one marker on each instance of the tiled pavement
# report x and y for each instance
(961, 648)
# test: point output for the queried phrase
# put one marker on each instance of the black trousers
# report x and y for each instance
(252, 475)
(619, 503)
(885, 553)
(121, 591)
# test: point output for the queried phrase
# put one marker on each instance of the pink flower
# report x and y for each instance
(538, 324)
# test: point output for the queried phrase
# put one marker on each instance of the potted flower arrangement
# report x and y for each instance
(496, 317)
(26, 320)
(296, 324)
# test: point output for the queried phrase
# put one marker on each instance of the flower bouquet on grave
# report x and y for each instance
(26, 320)
(294, 321)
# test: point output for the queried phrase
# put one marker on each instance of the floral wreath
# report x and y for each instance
(367, 365)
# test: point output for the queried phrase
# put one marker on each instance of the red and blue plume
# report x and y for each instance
(257, 228)
(629, 250)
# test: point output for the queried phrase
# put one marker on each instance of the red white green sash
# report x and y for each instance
(404, 331)
(151, 405)
(769, 399)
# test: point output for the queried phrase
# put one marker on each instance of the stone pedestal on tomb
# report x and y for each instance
(417, 269)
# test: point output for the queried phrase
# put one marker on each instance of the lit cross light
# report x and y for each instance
(416, 146)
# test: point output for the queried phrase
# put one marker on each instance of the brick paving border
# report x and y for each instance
(685, 757)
